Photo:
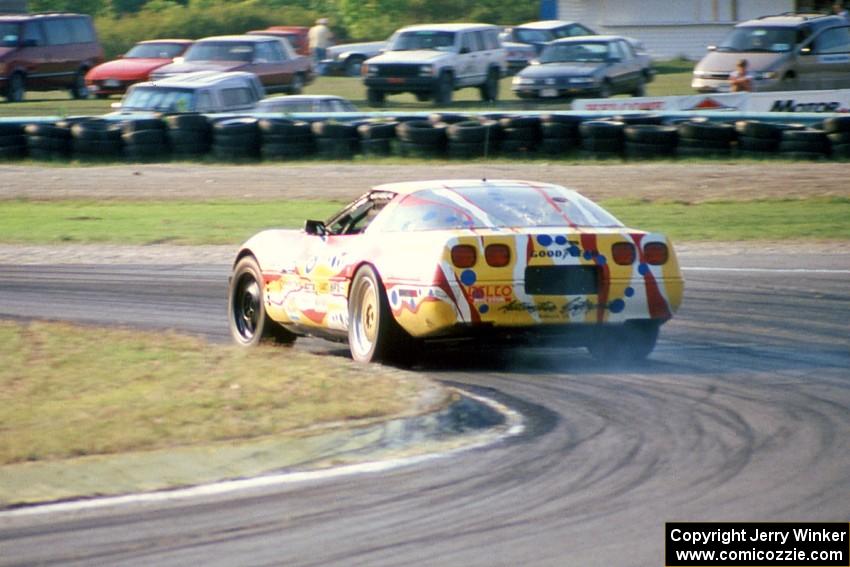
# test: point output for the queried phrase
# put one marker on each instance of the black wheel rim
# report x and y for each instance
(246, 309)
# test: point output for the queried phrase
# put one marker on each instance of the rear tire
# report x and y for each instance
(79, 90)
(297, 84)
(632, 341)
(490, 89)
(373, 334)
(250, 325)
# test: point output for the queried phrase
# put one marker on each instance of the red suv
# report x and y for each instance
(44, 52)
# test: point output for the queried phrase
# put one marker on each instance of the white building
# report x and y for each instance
(674, 28)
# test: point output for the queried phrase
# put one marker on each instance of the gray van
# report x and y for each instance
(785, 53)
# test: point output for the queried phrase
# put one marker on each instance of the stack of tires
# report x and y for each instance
(48, 141)
(97, 139)
(336, 140)
(559, 134)
(650, 140)
(421, 138)
(472, 138)
(520, 135)
(602, 138)
(13, 142)
(188, 135)
(804, 143)
(145, 139)
(701, 138)
(236, 139)
(376, 138)
(838, 132)
(758, 139)
(282, 139)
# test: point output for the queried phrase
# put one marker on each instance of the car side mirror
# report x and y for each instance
(711, 48)
(115, 105)
(464, 50)
(614, 60)
(315, 227)
(534, 61)
(805, 51)
(31, 42)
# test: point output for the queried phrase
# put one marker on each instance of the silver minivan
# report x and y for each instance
(784, 53)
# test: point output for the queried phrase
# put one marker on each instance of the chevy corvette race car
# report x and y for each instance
(409, 263)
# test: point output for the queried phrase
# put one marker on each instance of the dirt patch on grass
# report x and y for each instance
(689, 182)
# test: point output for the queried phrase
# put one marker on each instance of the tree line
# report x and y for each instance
(122, 23)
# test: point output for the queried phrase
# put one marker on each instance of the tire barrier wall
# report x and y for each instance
(462, 136)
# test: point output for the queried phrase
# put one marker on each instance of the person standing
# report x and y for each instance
(838, 10)
(740, 80)
(320, 37)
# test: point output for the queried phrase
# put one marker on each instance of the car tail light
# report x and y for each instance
(655, 253)
(623, 253)
(463, 256)
(498, 255)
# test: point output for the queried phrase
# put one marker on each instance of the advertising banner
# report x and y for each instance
(781, 101)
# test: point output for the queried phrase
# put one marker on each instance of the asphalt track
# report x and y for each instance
(742, 413)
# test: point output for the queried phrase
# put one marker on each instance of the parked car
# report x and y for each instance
(433, 60)
(295, 35)
(518, 56)
(305, 103)
(272, 59)
(598, 65)
(202, 91)
(785, 52)
(348, 58)
(446, 260)
(538, 34)
(43, 52)
(114, 77)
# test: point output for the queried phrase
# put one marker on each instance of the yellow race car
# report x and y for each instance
(447, 260)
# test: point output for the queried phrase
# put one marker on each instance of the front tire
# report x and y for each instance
(373, 334)
(297, 84)
(490, 89)
(16, 89)
(375, 97)
(353, 65)
(443, 90)
(250, 325)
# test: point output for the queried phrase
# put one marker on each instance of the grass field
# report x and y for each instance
(230, 222)
(673, 79)
(69, 391)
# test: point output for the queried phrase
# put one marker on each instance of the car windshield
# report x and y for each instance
(525, 35)
(423, 39)
(752, 39)
(155, 51)
(575, 52)
(158, 98)
(495, 206)
(9, 34)
(221, 51)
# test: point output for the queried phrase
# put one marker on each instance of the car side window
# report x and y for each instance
(833, 40)
(58, 31)
(236, 97)
(627, 51)
(478, 41)
(466, 42)
(32, 34)
(205, 101)
(491, 39)
(265, 54)
(81, 31)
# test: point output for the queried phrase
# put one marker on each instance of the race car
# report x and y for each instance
(450, 260)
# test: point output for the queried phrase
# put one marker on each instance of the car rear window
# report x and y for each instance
(155, 51)
(495, 206)
(221, 51)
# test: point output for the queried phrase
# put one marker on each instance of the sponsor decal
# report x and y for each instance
(491, 293)
(790, 105)
(710, 103)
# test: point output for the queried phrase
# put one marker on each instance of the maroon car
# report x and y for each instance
(44, 52)
(135, 66)
(272, 59)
